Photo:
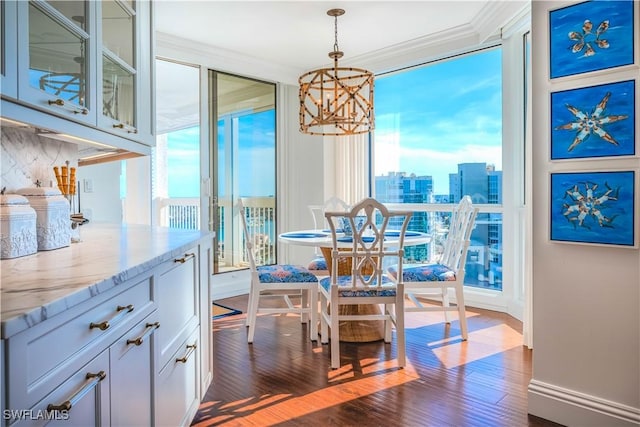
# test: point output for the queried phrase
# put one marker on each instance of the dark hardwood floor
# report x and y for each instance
(283, 379)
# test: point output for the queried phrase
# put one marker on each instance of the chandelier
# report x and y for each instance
(336, 101)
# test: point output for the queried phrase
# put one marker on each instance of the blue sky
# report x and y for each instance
(430, 119)
(427, 121)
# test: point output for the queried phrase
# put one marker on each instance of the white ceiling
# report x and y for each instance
(295, 36)
(299, 34)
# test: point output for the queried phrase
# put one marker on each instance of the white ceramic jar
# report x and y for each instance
(53, 223)
(17, 227)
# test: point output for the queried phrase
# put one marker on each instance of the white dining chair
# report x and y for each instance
(358, 277)
(283, 281)
(318, 265)
(426, 281)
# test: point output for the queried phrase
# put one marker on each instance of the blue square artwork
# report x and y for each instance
(595, 121)
(590, 36)
(593, 207)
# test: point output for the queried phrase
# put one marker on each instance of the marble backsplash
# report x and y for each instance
(27, 157)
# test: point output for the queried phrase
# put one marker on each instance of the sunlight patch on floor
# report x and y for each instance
(275, 409)
(481, 343)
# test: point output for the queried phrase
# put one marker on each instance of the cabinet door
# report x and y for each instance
(206, 341)
(9, 50)
(123, 72)
(117, 72)
(54, 65)
(131, 363)
(177, 298)
(82, 400)
(177, 385)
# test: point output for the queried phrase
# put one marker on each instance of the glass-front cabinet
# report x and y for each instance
(57, 59)
(119, 65)
(85, 61)
(8, 49)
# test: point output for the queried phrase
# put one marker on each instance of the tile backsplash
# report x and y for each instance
(27, 157)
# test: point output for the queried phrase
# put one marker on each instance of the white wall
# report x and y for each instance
(586, 299)
(100, 192)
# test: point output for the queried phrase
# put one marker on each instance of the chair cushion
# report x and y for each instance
(424, 273)
(284, 273)
(318, 264)
(345, 289)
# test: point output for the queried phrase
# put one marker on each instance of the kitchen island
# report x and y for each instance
(127, 309)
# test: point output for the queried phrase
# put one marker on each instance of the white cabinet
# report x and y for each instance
(131, 368)
(177, 387)
(178, 303)
(81, 400)
(53, 348)
(179, 350)
(137, 354)
(81, 63)
(9, 35)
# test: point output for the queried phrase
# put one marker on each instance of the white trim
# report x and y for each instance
(218, 59)
(231, 284)
(553, 402)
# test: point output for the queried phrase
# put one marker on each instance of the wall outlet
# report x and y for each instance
(88, 185)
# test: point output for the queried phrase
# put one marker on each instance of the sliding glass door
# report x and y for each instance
(243, 165)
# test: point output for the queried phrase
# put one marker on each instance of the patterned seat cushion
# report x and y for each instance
(318, 264)
(345, 289)
(284, 273)
(425, 273)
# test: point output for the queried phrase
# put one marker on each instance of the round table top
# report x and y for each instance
(320, 238)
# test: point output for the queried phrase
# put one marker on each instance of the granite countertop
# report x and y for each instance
(39, 286)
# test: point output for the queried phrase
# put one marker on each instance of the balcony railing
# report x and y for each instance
(484, 259)
(184, 213)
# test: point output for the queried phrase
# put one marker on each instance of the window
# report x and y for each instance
(243, 165)
(438, 137)
(176, 156)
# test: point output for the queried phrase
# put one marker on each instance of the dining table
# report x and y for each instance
(365, 330)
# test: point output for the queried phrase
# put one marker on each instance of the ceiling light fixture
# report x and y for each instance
(336, 101)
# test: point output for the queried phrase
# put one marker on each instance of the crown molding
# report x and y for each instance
(189, 51)
(495, 15)
(416, 51)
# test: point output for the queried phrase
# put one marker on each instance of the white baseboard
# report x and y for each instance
(572, 408)
(231, 284)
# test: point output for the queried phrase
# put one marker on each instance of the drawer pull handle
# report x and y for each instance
(120, 314)
(185, 258)
(150, 327)
(90, 385)
(129, 129)
(190, 349)
(60, 103)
